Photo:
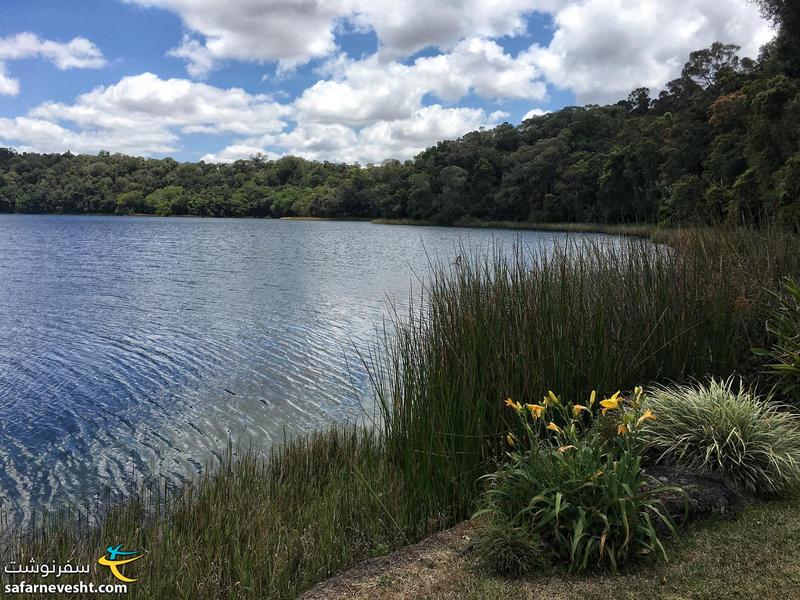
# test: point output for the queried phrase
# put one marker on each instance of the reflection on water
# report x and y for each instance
(130, 346)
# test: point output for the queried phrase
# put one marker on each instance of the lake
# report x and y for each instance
(134, 346)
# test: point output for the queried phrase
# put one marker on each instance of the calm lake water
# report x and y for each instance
(135, 346)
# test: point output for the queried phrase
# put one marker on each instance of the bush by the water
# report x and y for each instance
(582, 496)
(725, 429)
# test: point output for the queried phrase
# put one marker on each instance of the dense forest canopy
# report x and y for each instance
(720, 143)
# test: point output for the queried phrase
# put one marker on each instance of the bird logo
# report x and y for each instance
(111, 560)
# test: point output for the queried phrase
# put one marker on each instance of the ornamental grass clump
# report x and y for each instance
(724, 429)
(581, 498)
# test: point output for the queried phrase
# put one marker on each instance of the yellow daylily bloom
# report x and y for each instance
(536, 409)
(622, 429)
(578, 409)
(553, 427)
(565, 448)
(592, 398)
(515, 405)
(646, 416)
(611, 403)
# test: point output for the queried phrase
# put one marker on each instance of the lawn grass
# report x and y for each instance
(753, 555)
(590, 316)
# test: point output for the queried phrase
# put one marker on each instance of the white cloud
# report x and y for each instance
(427, 126)
(292, 32)
(601, 49)
(535, 112)
(236, 152)
(79, 53)
(367, 91)
(289, 31)
(405, 26)
(8, 85)
(199, 58)
(144, 114)
(41, 135)
(399, 138)
(148, 101)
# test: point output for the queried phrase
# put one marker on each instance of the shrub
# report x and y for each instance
(784, 355)
(583, 498)
(750, 442)
(508, 549)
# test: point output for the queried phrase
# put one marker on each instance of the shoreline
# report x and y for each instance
(644, 230)
(634, 230)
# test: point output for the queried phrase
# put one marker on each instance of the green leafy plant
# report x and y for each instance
(783, 356)
(584, 498)
(720, 428)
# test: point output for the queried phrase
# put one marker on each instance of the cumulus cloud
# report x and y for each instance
(290, 32)
(146, 100)
(144, 114)
(601, 49)
(294, 32)
(535, 112)
(78, 53)
(398, 138)
(599, 46)
(406, 26)
(236, 152)
(30, 134)
(366, 91)
(8, 85)
(200, 61)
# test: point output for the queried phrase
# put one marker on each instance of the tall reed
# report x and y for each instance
(590, 315)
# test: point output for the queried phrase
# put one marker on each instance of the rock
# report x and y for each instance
(704, 495)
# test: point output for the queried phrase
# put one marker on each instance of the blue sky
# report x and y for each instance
(345, 80)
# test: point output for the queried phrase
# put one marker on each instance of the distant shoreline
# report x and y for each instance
(611, 229)
(635, 230)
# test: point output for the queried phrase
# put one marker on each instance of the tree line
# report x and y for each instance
(721, 143)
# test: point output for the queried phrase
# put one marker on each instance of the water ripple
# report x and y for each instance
(138, 346)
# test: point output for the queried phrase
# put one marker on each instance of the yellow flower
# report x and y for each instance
(646, 416)
(510, 439)
(565, 448)
(577, 409)
(622, 429)
(512, 404)
(536, 409)
(592, 398)
(611, 403)
(553, 427)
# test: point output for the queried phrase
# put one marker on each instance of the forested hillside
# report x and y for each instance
(720, 143)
